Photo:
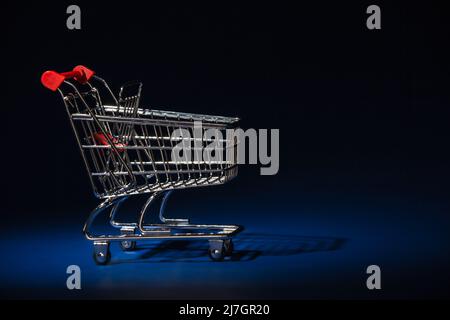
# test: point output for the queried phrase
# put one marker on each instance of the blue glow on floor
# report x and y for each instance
(306, 255)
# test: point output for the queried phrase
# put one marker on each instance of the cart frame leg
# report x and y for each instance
(219, 236)
(162, 208)
(155, 231)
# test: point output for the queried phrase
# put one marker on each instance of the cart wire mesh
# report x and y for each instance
(130, 150)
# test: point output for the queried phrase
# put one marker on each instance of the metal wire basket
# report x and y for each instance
(128, 150)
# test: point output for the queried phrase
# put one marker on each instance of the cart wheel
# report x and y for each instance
(102, 255)
(216, 254)
(228, 247)
(102, 258)
(127, 245)
(216, 250)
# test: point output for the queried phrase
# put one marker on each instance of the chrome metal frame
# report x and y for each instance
(164, 230)
(126, 149)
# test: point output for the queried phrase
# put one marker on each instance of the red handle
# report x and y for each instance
(52, 79)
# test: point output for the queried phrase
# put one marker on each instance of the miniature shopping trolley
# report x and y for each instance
(128, 150)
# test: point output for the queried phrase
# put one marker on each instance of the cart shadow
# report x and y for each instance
(247, 247)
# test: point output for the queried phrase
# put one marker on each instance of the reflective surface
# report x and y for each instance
(321, 253)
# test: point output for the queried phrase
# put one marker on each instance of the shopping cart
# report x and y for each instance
(128, 150)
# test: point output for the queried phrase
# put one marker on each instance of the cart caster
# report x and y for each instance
(102, 255)
(216, 250)
(216, 254)
(228, 247)
(128, 245)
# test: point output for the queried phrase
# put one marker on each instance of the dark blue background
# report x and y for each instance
(364, 162)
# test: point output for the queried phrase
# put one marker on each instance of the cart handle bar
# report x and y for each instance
(52, 79)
